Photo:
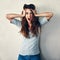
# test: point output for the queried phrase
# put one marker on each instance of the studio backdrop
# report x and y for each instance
(9, 33)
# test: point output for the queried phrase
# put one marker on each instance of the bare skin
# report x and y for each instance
(11, 16)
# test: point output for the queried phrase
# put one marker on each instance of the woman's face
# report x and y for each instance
(29, 15)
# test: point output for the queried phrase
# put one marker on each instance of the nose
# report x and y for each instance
(29, 15)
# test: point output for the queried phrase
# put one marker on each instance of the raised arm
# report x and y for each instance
(11, 16)
(48, 15)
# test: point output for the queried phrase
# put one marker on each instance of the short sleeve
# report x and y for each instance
(16, 22)
(43, 20)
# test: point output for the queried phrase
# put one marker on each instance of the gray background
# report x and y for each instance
(9, 36)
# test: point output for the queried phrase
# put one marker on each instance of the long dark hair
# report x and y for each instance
(34, 29)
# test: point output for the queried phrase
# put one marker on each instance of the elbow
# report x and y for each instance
(51, 14)
(8, 17)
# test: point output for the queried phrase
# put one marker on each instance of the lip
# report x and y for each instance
(29, 19)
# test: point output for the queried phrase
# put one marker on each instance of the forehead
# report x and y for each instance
(28, 10)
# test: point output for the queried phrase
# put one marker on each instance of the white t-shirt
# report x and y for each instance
(29, 46)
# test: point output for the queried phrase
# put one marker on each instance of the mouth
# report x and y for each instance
(29, 19)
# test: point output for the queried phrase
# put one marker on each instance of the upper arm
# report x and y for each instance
(16, 22)
(49, 15)
(43, 20)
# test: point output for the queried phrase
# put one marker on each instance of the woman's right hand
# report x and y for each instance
(23, 13)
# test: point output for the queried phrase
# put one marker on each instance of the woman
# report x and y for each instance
(29, 31)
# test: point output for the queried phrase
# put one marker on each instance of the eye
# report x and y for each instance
(26, 12)
(30, 12)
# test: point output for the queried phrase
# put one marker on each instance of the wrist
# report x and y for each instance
(36, 15)
(20, 15)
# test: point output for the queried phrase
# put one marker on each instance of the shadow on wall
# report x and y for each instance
(50, 39)
(0, 58)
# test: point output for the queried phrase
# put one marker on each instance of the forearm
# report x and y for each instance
(46, 14)
(13, 15)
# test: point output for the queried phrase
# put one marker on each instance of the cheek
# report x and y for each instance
(31, 16)
(26, 16)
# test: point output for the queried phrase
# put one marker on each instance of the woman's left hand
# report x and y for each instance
(34, 11)
(23, 13)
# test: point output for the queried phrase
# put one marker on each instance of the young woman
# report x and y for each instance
(29, 31)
